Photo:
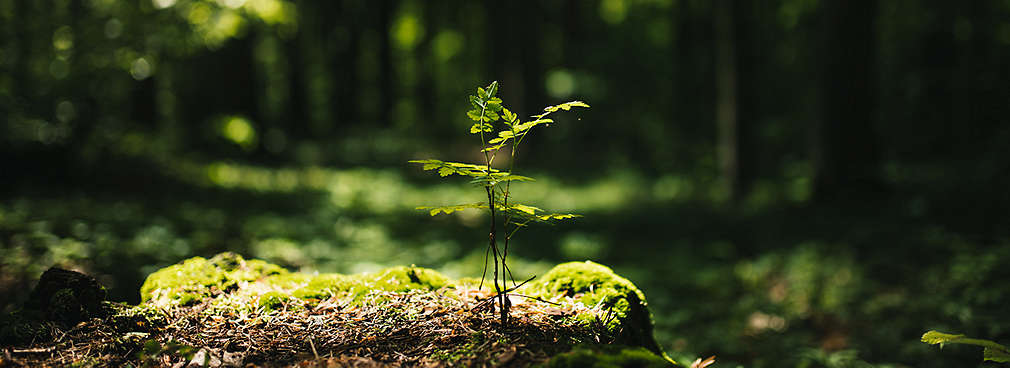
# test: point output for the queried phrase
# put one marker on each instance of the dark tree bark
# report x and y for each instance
(845, 153)
(727, 123)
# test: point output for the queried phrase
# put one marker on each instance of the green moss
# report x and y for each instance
(197, 278)
(595, 285)
(273, 300)
(325, 286)
(400, 279)
(609, 356)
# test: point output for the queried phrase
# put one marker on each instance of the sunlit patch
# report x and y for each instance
(162, 4)
(140, 69)
(239, 130)
(223, 175)
(581, 246)
(447, 44)
(272, 11)
(234, 4)
(613, 11)
(63, 38)
(759, 322)
(198, 13)
(407, 31)
(560, 83)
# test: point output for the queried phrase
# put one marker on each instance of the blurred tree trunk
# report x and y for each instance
(727, 123)
(22, 15)
(425, 91)
(344, 62)
(845, 153)
(296, 117)
(386, 95)
(530, 60)
(747, 52)
(572, 50)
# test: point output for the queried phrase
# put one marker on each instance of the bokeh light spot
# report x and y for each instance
(63, 38)
(447, 44)
(59, 68)
(613, 11)
(560, 83)
(407, 31)
(162, 4)
(140, 69)
(113, 28)
(240, 131)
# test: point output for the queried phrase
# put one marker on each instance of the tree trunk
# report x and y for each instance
(727, 123)
(386, 95)
(845, 152)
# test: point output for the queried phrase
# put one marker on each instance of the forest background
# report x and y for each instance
(791, 182)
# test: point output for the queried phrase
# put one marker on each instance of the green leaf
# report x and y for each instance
(478, 127)
(568, 105)
(450, 209)
(530, 124)
(476, 102)
(524, 208)
(933, 337)
(490, 116)
(558, 216)
(509, 116)
(494, 104)
(996, 355)
(492, 90)
(449, 168)
(500, 177)
(481, 93)
(474, 115)
(428, 164)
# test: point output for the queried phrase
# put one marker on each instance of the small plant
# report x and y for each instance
(490, 115)
(991, 350)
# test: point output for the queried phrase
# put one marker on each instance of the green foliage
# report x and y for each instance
(487, 109)
(992, 351)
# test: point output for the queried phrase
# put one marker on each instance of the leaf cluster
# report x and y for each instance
(488, 111)
(992, 351)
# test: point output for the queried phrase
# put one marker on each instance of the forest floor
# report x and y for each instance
(443, 331)
(242, 325)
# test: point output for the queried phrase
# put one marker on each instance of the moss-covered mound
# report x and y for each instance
(578, 314)
(620, 306)
(198, 278)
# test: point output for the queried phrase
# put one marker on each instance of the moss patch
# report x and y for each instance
(198, 278)
(603, 303)
(620, 304)
(612, 356)
(229, 280)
